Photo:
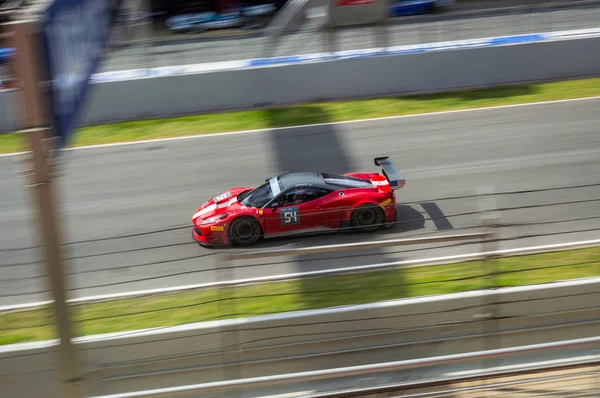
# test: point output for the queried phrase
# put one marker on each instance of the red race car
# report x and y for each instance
(300, 202)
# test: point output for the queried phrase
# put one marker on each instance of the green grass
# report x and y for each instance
(181, 308)
(320, 113)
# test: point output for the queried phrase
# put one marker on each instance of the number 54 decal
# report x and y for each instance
(290, 216)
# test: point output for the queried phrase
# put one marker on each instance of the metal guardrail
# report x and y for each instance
(354, 246)
(224, 257)
(422, 263)
(524, 382)
(359, 370)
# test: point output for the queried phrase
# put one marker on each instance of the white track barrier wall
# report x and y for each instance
(312, 340)
(292, 80)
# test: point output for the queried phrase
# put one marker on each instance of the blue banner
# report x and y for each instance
(74, 35)
(5, 54)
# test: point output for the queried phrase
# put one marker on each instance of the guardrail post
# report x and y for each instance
(329, 36)
(228, 334)
(382, 34)
(489, 222)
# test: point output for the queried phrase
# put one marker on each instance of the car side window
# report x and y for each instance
(302, 195)
(320, 192)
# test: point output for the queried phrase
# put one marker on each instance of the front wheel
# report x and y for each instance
(244, 231)
(367, 218)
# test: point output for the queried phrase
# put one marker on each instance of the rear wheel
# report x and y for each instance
(244, 231)
(367, 218)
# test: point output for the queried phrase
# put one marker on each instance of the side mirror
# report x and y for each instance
(274, 206)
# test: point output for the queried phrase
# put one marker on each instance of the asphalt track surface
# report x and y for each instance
(234, 44)
(114, 191)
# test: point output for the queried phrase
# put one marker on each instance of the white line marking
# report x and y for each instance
(25, 306)
(271, 278)
(429, 114)
(34, 345)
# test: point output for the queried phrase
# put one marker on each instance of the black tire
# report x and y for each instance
(244, 231)
(367, 218)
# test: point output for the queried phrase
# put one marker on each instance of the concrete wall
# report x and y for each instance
(349, 78)
(8, 115)
(310, 340)
(294, 83)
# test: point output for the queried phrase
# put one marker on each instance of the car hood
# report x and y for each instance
(223, 203)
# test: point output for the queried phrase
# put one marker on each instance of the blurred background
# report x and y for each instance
(155, 33)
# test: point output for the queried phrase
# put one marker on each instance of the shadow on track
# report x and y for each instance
(323, 148)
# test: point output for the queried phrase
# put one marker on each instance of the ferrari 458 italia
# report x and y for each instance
(300, 202)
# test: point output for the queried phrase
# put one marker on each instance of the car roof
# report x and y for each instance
(320, 180)
(297, 179)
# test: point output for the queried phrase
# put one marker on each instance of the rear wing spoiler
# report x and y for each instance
(391, 172)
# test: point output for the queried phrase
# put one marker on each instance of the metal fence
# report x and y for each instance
(146, 42)
(576, 379)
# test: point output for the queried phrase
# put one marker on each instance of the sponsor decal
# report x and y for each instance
(205, 210)
(222, 197)
(379, 183)
(227, 204)
(274, 186)
(386, 202)
(217, 228)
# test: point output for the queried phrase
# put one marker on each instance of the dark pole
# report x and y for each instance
(35, 125)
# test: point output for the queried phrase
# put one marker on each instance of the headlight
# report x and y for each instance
(215, 219)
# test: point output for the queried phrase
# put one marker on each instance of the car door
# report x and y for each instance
(330, 210)
(298, 210)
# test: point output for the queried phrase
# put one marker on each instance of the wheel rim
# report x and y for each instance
(245, 231)
(367, 217)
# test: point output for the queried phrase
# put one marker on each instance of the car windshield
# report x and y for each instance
(262, 195)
